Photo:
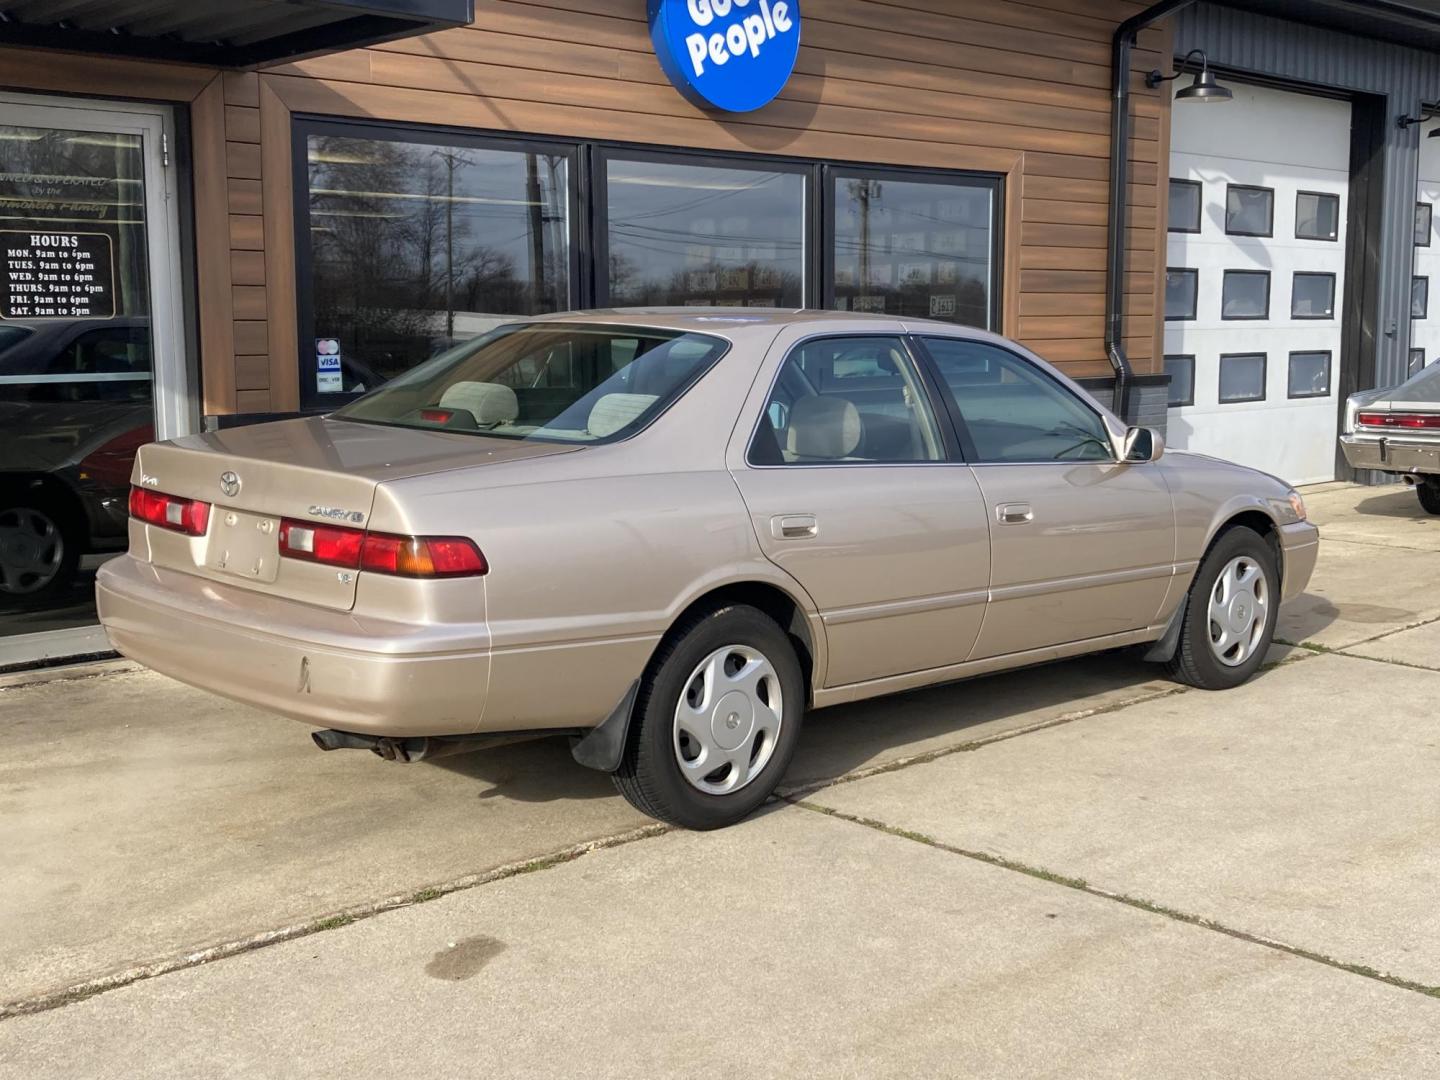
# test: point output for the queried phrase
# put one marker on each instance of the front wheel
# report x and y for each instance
(1230, 613)
(716, 720)
(1429, 491)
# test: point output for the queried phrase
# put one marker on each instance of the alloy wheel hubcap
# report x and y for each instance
(31, 550)
(727, 721)
(1239, 611)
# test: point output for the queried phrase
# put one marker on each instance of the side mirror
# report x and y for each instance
(1143, 444)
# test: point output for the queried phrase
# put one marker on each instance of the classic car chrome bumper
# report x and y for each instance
(1388, 454)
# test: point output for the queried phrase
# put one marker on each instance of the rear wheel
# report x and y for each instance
(1230, 613)
(716, 720)
(38, 555)
(1429, 491)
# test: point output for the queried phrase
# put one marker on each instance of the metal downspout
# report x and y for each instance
(1123, 43)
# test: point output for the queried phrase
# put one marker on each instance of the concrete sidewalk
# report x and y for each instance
(1079, 870)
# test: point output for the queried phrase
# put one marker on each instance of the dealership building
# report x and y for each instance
(214, 214)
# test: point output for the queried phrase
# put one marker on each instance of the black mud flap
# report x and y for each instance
(603, 746)
(1164, 650)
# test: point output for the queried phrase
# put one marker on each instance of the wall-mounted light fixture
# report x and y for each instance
(1202, 88)
(1427, 112)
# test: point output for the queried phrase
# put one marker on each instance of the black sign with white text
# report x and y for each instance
(56, 275)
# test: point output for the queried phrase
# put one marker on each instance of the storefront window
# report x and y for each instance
(415, 246)
(704, 235)
(914, 247)
(76, 364)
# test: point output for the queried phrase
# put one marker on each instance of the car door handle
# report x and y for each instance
(794, 526)
(1014, 513)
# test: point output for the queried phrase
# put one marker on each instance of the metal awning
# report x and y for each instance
(233, 33)
(1405, 22)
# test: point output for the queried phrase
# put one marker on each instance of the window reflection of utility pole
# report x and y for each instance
(864, 192)
(452, 158)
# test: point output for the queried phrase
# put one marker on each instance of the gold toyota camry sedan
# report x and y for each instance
(670, 533)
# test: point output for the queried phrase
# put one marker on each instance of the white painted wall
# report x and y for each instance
(1290, 143)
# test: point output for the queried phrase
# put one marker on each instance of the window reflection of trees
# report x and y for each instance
(417, 246)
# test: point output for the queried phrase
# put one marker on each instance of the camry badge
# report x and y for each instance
(229, 484)
(334, 513)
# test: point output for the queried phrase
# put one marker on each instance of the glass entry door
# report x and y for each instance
(90, 364)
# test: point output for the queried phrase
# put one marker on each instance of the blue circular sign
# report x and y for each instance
(733, 55)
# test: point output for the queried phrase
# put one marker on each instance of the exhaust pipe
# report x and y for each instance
(423, 747)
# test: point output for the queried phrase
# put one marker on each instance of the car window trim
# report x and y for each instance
(950, 446)
(952, 409)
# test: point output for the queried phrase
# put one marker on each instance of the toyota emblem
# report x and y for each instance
(229, 484)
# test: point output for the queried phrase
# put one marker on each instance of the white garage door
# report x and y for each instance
(1255, 279)
(1425, 307)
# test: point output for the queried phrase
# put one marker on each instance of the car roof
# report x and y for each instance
(718, 319)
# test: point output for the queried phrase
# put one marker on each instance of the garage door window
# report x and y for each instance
(1317, 216)
(1185, 206)
(1417, 362)
(1309, 374)
(1419, 297)
(1242, 377)
(1312, 296)
(1423, 215)
(1249, 211)
(1181, 370)
(1245, 294)
(1181, 288)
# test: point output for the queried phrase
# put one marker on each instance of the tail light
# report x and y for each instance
(1411, 421)
(188, 516)
(382, 553)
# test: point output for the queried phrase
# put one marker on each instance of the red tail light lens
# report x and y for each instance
(188, 516)
(1411, 421)
(328, 544)
(381, 553)
(422, 556)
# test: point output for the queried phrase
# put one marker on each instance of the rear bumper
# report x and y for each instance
(327, 668)
(1299, 548)
(1388, 454)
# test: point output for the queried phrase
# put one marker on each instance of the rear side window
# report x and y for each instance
(854, 400)
(1012, 411)
(556, 382)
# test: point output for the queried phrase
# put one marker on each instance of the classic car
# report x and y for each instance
(1397, 430)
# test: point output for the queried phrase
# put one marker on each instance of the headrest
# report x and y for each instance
(824, 427)
(490, 403)
(613, 411)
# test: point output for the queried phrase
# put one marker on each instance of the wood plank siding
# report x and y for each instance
(1017, 89)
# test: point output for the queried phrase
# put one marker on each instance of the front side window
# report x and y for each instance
(416, 245)
(847, 400)
(1013, 412)
(913, 247)
(548, 382)
(1249, 211)
(704, 235)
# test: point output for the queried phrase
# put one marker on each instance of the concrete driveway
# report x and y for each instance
(1079, 870)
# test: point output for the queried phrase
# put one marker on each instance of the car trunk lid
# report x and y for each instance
(316, 471)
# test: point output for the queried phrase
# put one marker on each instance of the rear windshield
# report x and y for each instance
(547, 382)
(1424, 385)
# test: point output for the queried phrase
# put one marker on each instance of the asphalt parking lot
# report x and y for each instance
(1075, 870)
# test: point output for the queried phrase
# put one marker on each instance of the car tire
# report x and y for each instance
(1429, 491)
(1230, 613)
(709, 697)
(39, 552)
